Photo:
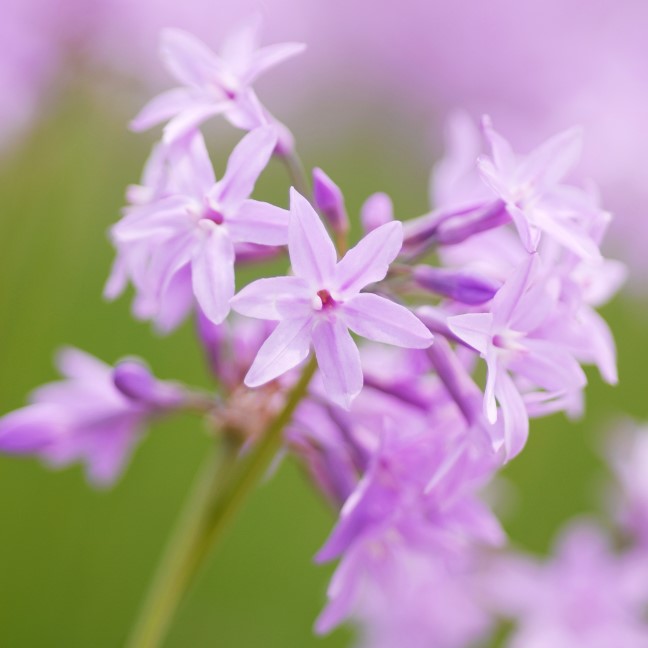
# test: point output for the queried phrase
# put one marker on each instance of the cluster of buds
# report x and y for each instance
(397, 427)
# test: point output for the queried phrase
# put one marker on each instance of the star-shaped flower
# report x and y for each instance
(323, 301)
(182, 244)
(212, 83)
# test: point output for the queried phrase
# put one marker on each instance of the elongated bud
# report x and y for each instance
(452, 227)
(461, 285)
(135, 381)
(377, 210)
(330, 201)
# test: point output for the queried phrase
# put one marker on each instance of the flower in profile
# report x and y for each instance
(95, 415)
(212, 83)
(181, 244)
(323, 301)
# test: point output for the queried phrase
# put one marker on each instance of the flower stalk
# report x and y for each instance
(220, 490)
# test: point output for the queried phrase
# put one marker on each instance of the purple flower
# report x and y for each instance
(585, 595)
(95, 415)
(181, 243)
(329, 201)
(531, 189)
(323, 301)
(212, 84)
(510, 338)
(628, 458)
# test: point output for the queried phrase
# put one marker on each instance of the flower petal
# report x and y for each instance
(212, 272)
(369, 260)
(187, 120)
(338, 359)
(312, 253)
(285, 348)
(274, 299)
(473, 328)
(162, 108)
(259, 222)
(267, 57)
(382, 320)
(30, 428)
(244, 166)
(188, 59)
(514, 415)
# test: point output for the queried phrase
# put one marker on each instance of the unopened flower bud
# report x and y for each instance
(461, 285)
(135, 381)
(377, 210)
(330, 201)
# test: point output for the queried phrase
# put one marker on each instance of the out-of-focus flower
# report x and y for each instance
(96, 415)
(585, 595)
(180, 243)
(628, 456)
(212, 84)
(323, 301)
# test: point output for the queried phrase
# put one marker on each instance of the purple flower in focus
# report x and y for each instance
(95, 415)
(181, 243)
(212, 84)
(323, 301)
(510, 338)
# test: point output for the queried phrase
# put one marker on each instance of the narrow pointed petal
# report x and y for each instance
(492, 376)
(193, 172)
(187, 58)
(274, 299)
(473, 328)
(338, 359)
(286, 347)
(549, 163)
(509, 295)
(212, 273)
(514, 415)
(572, 236)
(259, 222)
(175, 302)
(368, 262)
(382, 320)
(244, 166)
(312, 253)
(503, 155)
(161, 109)
(190, 119)
(30, 429)
(267, 57)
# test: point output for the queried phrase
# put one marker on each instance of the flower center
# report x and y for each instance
(213, 215)
(324, 300)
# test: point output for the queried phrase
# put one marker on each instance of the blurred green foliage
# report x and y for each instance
(75, 563)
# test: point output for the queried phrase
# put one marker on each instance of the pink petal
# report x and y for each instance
(192, 171)
(212, 272)
(274, 299)
(188, 59)
(550, 162)
(503, 155)
(509, 295)
(382, 320)
(516, 420)
(259, 222)
(285, 348)
(189, 119)
(312, 253)
(175, 301)
(162, 108)
(475, 329)
(570, 234)
(369, 260)
(267, 57)
(338, 359)
(244, 166)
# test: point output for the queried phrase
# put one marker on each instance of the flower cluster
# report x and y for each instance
(435, 340)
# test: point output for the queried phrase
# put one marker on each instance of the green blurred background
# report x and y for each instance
(74, 562)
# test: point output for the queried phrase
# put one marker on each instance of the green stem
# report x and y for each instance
(219, 492)
(296, 172)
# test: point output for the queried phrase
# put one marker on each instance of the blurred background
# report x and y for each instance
(367, 103)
